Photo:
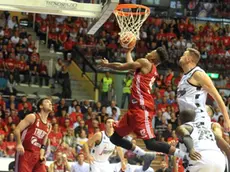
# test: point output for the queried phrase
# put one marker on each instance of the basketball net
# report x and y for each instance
(130, 18)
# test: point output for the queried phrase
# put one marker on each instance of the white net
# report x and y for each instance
(131, 19)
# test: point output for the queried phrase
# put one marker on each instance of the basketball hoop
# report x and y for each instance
(130, 18)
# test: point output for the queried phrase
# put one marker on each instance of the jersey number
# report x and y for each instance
(205, 134)
(151, 84)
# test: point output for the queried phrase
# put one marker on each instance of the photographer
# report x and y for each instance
(60, 164)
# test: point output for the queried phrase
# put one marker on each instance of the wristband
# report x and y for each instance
(43, 147)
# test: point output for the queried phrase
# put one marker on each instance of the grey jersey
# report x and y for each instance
(190, 96)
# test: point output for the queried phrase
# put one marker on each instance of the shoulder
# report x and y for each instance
(30, 117)
(143, 61)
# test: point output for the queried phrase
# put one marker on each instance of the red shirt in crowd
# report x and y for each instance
(43, 28)
(10, 148)
(10, 63)
(55, 138)
(21, 107)
(68, 45)
(34, 57)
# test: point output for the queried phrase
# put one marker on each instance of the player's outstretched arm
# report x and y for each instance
(121, 66)
(122, 158)
(28, 120)
(183, 132)
(90, 143)
(206, 83)
(222, 144)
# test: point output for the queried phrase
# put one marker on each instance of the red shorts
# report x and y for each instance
(28, 162)
(138, 121)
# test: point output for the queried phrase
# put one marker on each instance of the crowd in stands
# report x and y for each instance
(74, 123)
(19, 56)
(211, 39)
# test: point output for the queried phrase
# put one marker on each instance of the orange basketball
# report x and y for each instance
(128, 40)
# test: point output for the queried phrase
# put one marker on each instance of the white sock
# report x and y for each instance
(138, 151)
(180, 154)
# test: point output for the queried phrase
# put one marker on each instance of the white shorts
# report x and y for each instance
(211, 161)
(100, 167)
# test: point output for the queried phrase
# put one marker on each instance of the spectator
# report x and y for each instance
(55, 137)
(103, 115)
(58, 68)
(10, 146)
(3, 82)
(81, 126)
(85, 106)
(80, 165)
(43, 74)
(25, 111)
(68, 46)
(61, 106)
(11, 85)
(168, 133)
(60, 163)
(72, 107)
(66, 87)
(2, 147)
(81, 140)
(127, 83)
(106, 86)
(98, 107)
(173, 121)
(113, 105)
(114, 114)
(42, 32)
(69, 138)
(12, 23)
(21, 105)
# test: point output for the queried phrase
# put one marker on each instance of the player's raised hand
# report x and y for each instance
(90, 159)
(20, 149)
(104, 62)
(227, 125)
(194, 155)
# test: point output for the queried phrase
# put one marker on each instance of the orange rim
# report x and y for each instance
(119, 11)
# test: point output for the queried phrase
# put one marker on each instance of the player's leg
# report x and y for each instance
(144, 130)
(123, 128)
(39, 167)
(24, 163)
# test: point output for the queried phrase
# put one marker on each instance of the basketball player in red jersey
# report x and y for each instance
(31, 137)
(138, 119)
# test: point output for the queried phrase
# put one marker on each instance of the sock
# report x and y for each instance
(138, 151)
(180, 154)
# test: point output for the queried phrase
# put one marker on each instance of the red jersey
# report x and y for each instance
(33, 136)
(59, 168)
(141, 90)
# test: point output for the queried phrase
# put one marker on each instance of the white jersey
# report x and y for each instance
(203, 137)
(104, 149)
(190, 96)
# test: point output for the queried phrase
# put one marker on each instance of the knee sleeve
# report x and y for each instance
(120, 141)
(154, 145)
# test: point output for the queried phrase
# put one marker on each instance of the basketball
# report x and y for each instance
(128, 40)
